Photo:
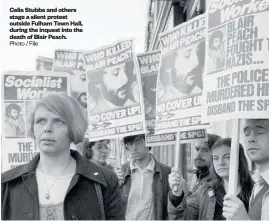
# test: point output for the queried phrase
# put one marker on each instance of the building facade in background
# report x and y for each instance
(44, 64)
(164, 15)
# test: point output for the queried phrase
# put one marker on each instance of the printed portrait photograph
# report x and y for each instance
(81, 97)
(14, 120)
(29, 107)
(78, 81)
(78, 86)
(149, 91)
(181, 72)
(112, 87)
(216, 52)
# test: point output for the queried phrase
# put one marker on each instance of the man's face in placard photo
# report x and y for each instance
(14, 114)
(82, 99)
(13, 111)
(114, 84)
(216, 40)
(149, 87)
(216, 52)
(14, 120)
(185, 62)
(111, 87)
(149, 91)
(182, 71)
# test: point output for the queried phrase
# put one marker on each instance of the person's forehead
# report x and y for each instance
(221, 151)
(221, 148)
(45, 113)
(97, 145)
(252, 123)
(136, 138)
(102, 142)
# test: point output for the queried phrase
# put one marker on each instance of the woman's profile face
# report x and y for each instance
(51, 131)
(221, 161)
(100, 151)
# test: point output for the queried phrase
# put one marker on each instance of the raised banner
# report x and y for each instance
(114, 92)
(149, 67)
(180, 84)
(19, 90)
(236, 82)
(193, 135)
(72, 62)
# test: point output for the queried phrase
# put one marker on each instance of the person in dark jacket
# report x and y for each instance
(59, 183)
(207, 202)
(97, 152)
(144, 183)
(203, 162)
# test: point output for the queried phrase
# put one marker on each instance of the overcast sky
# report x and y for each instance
(105, 22)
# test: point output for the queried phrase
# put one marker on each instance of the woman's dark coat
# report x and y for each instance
(93, 193)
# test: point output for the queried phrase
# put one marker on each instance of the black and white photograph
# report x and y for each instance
(114, 91)
(181, 72)
(14, 120)
(216, 43)
(134, 110)
(71, 62)
(180, 78)
(149, 89)
(113, 87)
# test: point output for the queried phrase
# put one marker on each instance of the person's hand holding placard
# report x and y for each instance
(176, 182)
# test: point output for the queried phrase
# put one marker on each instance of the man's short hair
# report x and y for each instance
(212, 139)
(66, 107)
(131, 139)
(14, 107)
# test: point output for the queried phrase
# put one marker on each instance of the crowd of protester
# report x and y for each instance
(64, 184)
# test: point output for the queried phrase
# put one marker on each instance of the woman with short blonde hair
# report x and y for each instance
(59, 183)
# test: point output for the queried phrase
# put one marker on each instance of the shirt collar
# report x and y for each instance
(265, 176)
(150, 166)
(84, 167)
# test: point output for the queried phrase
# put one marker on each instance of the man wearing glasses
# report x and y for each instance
(144, 182)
